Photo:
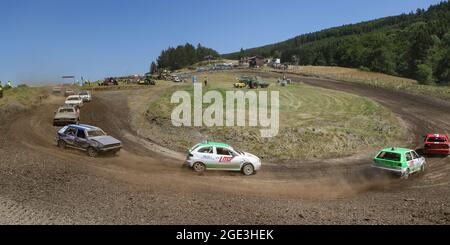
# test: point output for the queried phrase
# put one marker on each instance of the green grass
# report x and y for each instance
(314, 123)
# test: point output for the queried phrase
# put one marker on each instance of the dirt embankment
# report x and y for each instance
(22, 99)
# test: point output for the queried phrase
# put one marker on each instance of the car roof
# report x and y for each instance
(397, 150)
(83, 127)
(217, 144)
(66, 107)
(437, 135)
(73, 96)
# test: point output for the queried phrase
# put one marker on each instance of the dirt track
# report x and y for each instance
(40, 183)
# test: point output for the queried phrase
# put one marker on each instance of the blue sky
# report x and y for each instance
(41, 40)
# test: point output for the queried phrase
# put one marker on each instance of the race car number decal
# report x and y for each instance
(225, 159)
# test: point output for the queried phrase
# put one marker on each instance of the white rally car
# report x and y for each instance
(220, 156)
(74, 100)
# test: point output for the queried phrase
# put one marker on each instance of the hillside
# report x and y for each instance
(414, 45)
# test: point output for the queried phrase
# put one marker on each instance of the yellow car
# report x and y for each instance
(240, 85)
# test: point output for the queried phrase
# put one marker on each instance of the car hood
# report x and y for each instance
(250, 155)
(106, 140)
(65, 115)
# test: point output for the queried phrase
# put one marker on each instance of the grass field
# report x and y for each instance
(314, 123)
(372, 79)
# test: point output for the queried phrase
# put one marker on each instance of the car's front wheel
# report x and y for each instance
(248, 169)
(92, 152)
(199, 167)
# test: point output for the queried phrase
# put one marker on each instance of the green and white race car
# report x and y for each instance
(400, 161)
(220, 156)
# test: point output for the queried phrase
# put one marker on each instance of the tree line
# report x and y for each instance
(183, 56)
(414, 45)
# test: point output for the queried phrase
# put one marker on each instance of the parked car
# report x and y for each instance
(400, 161)
(175, 78)
(110, 81)
(240, 85)
(220, 156)
(74, 100)
(66, 115)
(436, 144)
(85, 96)
(87, 138)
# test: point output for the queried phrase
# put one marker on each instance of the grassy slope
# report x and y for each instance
(20, 99)
(370, 78)
(314, 123)
(25, 96)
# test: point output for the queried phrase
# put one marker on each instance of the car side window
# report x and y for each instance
(415, 155)
(70, 131)
(409, 157)
(207, 150)
(81, 134)
(223, 151)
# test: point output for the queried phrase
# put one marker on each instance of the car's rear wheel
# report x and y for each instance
(248, 169)
(199, 167)
(61, 144)
(92, 152)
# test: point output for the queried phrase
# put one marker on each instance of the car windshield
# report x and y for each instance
(66, 110)
(437, 139)
(96, 133)
(73, 98)
(195, 147)
(238, 151)
(392, 156)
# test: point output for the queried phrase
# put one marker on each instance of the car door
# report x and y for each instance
(81, 140)
(410, 160)
(69, 136)
(418, 160)
(207, 156)
(227, 159)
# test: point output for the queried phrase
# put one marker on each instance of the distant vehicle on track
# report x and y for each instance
(69, 92)
(436, 144)
(400, 161)
(56, 90)
(66, 115)
(220, 156)
(87, 138)
(74, 100)
(85, 96)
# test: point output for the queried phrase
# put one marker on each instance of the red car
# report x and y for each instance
(437, 144)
